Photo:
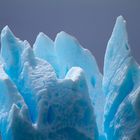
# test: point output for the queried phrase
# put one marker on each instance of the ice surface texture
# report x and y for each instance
(121, 85)
(55, 91)
(46, 97)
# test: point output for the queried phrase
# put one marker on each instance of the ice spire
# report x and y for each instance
(119, 84)
(67, 52)
(44, 49)
(54, 108)
(9, 46)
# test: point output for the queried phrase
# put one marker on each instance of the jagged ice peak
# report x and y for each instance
(55, 91)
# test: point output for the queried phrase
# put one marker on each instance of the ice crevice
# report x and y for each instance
(49, 100)
(55, 91)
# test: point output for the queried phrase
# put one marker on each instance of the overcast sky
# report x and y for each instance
(90, 21)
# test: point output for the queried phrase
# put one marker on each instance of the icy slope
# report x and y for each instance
(65, 53)
(55, 91)
(37, 104)
(121, 84)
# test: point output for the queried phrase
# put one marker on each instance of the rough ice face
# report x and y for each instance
(38, 101)
(65, 53)
(56, 92)
(121, 84)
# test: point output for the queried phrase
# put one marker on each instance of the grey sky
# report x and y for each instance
(90, 21)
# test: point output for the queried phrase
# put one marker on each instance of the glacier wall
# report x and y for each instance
(55, 91)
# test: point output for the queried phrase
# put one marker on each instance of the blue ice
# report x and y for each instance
(36, 102)
(55, 91)
(121, 85)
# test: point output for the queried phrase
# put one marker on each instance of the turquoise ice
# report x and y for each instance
(65, 53)
(121, 85)
(55, 91)
(36, 102)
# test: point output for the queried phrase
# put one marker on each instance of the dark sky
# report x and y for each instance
(90, 21)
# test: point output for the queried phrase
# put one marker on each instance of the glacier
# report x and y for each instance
(121, 85)
(55, 90)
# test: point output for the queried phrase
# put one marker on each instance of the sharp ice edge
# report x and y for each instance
(55, 90)
(56, 108)
(121, 84)
(66, 52)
